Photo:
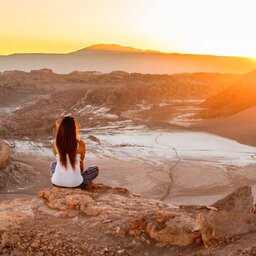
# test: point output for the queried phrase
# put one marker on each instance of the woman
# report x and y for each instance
(68, 170)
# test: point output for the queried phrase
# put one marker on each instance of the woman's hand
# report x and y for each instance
(82, 147)
(81, 165)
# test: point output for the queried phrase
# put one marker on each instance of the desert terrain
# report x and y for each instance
(177, 164)
(147, 133)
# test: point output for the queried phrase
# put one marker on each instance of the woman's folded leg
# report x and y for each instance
(89, 175)
(52, 167)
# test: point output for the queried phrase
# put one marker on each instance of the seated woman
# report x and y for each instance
(69, 150)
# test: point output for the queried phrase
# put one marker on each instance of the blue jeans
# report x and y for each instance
(88, 175)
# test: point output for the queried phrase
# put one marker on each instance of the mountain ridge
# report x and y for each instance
(123, 48)
(114, 48)
(107, 58)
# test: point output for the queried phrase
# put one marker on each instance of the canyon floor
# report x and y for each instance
(141, 138)
(175, 165)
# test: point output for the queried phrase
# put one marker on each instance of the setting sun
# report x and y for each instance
(186, 26)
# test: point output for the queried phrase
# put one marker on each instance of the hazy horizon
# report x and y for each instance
(139, 50)
(185, 26)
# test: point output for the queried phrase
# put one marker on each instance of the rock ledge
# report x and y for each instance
(116, 216)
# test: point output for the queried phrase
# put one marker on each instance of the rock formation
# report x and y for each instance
(112, 221)
(11, 172)
(240, 200)
(4, 155)
(38, 96)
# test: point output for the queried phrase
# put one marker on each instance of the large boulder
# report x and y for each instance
(241, 200)
(233, 216)
(223, 226)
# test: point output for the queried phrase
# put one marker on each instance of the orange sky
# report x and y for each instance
(219, 27)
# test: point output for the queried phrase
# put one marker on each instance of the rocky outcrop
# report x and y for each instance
(234, 216)
(12, 173)
(112, 217)
(38, 96)
(222, 226)
(168, 226)
(238, 97)
(4, 155)
(240, 200)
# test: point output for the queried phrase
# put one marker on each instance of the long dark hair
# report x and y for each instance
(67, 140)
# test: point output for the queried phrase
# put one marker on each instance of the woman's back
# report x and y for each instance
(68, 169)
(67, 176)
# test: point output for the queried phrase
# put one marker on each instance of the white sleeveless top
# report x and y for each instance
(67, 176)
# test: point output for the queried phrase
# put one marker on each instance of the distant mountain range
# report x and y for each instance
(109, 57)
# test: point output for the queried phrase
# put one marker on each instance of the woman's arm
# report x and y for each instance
(83, 152)
(54, 149)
